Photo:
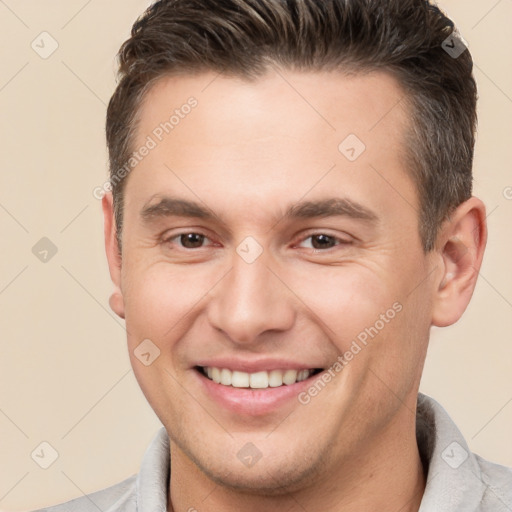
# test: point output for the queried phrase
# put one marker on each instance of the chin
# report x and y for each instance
(268, 477)
(264, 482)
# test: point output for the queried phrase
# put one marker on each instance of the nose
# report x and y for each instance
(249, 301)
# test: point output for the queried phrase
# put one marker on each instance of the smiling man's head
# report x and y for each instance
(298, 214)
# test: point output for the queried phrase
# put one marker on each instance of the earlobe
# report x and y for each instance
(113, 257)
(117, 304)
(461, 244)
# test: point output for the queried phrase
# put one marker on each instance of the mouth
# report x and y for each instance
(257, 380)
(251, 389)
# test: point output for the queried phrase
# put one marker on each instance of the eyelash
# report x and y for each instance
(339, 241)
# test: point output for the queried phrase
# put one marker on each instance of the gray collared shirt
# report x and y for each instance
(457, 481)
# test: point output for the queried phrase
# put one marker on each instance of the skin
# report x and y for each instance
(248, 151)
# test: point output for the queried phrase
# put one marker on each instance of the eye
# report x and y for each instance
(188, 240)
(322, 241)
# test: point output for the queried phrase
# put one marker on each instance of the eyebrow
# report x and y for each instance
(329, 207)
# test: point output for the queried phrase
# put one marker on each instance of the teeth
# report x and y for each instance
(275, 378)
(215, 375)
(258, 380)
(239, 379)
(302, 375)
(225, 377)
(289, 377)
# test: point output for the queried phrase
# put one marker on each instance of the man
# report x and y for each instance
(291, 211)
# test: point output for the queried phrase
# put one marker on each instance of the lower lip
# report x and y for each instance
(253, 402)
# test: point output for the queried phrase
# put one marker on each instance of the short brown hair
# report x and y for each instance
(243, 37)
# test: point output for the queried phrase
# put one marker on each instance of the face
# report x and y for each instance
(261, 244)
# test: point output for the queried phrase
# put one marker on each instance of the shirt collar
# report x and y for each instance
(153, 479)
(454, 481)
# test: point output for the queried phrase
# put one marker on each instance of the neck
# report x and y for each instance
(387, 475)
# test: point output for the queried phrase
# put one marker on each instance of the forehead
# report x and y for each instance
(278, 135)
(330, 101)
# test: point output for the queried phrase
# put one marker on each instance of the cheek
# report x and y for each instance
(370, 316)
(348, 299)
(160, 297)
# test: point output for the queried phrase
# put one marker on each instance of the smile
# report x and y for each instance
(257, 380)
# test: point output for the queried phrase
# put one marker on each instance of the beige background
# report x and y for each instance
(65, 373)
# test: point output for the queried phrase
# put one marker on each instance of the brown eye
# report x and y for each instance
(192, 240)
(322, 241)
(186, 241)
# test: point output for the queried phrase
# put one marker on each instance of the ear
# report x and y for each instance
(460, 244)
(114, 258)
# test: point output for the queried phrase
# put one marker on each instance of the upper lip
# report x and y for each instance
(248, 366)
